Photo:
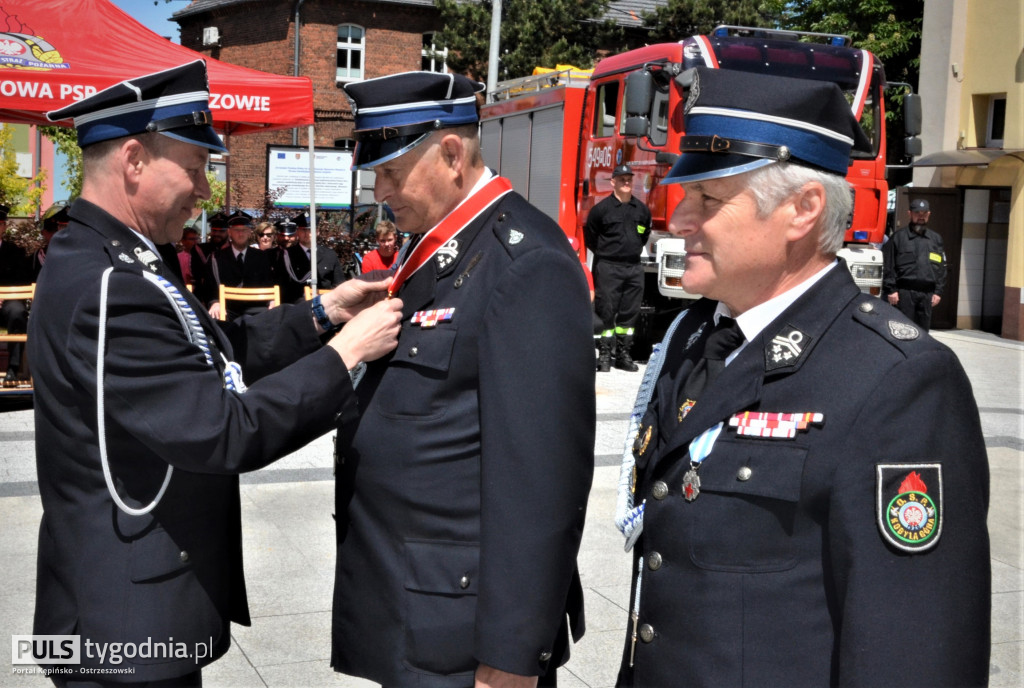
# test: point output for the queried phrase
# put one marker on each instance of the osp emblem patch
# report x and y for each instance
(909, 504)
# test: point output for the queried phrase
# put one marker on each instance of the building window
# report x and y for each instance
(433, 59)
(351, 44)
(996, 122)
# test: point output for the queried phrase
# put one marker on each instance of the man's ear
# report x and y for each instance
(808, 205)
(132, 157)
(453, 152)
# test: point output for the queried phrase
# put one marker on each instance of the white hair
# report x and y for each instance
(773, 184)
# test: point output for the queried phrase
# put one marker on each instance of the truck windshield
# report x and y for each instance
(799, 60)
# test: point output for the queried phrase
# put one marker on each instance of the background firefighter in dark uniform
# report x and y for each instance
(915, 266)
(616, 231)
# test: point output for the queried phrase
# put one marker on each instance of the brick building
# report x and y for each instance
(337, 42)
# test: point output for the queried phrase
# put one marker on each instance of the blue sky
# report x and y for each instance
(154, 16)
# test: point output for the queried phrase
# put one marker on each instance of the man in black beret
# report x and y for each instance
(915, 266)
(805, 483)
(616, 231)
(462, 493)
(146, 409)
(15, 270)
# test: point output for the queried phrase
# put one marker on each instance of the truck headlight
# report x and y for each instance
(867, 272)
(675, 261)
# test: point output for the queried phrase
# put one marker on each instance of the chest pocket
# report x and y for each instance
(417, 373)
(746, 513)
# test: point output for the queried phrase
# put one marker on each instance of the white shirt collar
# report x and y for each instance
(753, 321)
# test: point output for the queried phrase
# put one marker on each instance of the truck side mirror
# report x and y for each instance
(912, 114)
(639, 92)
(912, 146)
(637, 125)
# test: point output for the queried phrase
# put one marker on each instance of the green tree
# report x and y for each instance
(533, 33)
(22, 194)
(678, 19)
(218, 190)
(66, 140)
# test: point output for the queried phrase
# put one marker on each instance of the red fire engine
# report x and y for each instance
(558, 136)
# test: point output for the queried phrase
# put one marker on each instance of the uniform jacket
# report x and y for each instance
(15, 266)
(293, 271)
(778, 573)
(461, 495)
(914, 261)
(617, 230)
(177, 571)
(222, 268)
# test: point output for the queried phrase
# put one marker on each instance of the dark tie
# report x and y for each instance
(722, 341)
(240, 258)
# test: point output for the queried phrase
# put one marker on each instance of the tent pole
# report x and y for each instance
(312, 211)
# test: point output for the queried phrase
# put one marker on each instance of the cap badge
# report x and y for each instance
(904, 331)
(909, 505)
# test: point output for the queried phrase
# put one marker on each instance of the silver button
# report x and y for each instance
(744, 474)
(867, 307)
(647, 633)
(545, 656)
(464, 582)
(184, 557)
(414, 351)
(659, 489)
(115, 242)
(654, 561)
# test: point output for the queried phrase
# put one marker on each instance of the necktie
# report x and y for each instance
(240, 258)
(722, 341)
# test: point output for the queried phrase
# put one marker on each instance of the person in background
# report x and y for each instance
(55, 219)
(293, 268)
(146, 409)
(805, 479)
(382, 257)
(266, 236)
(236, 265)
(915, 266)
(189, 238)
(461, 495)
(616, 232)
(15, 270)
(218, 236)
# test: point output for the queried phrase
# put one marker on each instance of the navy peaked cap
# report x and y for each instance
(738, 121)
(239, 217)
(920, 205)
(301, 219)
(55, 216)
(395, 113)
(285, 227)
(173, 102)
(622, 170)
(218, 219)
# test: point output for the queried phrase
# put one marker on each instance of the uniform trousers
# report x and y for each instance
(14, 316)
(916, 305)
(618, 293)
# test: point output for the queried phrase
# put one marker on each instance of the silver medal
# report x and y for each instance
(691, 485)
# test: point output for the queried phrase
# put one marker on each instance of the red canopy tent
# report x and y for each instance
(55, 52)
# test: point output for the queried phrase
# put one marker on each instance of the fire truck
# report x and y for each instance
(557, 136)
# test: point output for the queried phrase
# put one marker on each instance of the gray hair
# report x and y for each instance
(773, 184)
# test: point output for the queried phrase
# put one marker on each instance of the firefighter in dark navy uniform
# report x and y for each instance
(616, 231)
(146, 409)
(915, 266)
(805, 483)
(461, 496)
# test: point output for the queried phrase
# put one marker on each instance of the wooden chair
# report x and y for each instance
(21, 292)
(272, 295)
(308, 292)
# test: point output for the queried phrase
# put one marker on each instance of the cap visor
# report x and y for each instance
(695, 167)
(373, 152)
(205, 137)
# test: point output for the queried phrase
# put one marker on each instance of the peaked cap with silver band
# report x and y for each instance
(738, 121)
(395, 113)
(173, 102)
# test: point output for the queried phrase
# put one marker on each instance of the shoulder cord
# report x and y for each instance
(630, 519)
(291, 270)
(194, 332)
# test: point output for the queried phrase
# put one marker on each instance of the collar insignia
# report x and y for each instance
(515, 236)
(695, 336)
(447, 254)
(786, 348)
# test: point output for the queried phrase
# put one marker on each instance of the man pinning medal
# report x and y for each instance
(805, 489)
(461, 496)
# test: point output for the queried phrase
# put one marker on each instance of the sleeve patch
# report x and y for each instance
(909, 504)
